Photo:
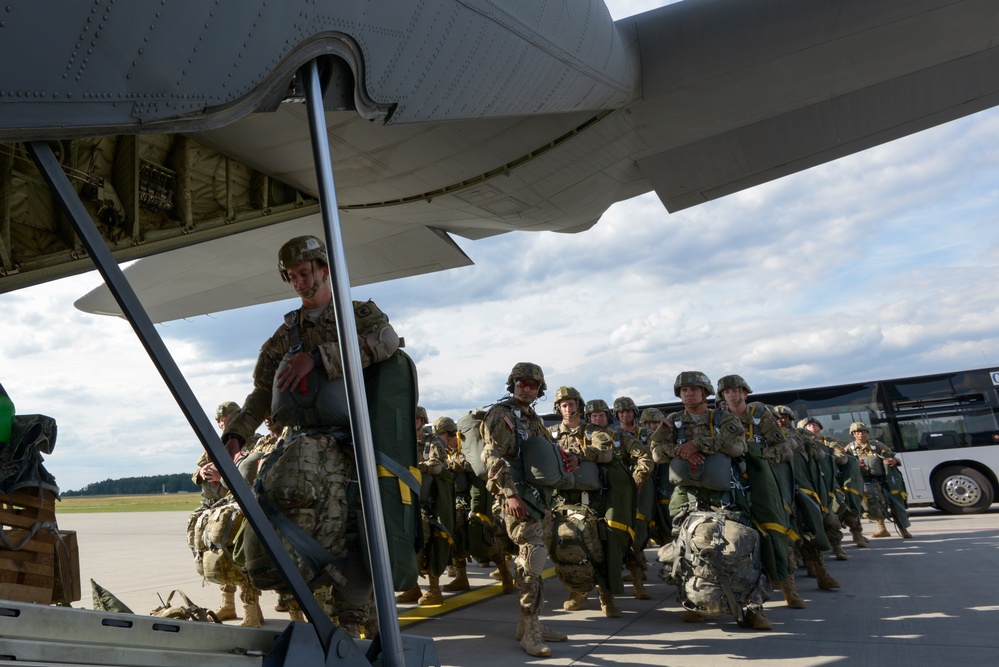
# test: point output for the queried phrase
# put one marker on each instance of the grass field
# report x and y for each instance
(148, 503)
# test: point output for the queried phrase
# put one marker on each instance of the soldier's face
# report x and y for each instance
(568, 408)
(626, 417)
(526, 390)
(733, 395)
(813, 427)
(691, 396)
(599, 418)
(652, 425)
(860, 436)
(304, 278)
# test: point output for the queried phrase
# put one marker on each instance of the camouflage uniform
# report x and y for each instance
(877, 491)
(309, 478)
(464, 477)
(504, 427)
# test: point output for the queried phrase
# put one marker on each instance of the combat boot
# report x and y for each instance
(227, 611)
(824, 579)
(295, 612)
(433, 595)
(691, 616)
(532, 640)
(608, 606)
(881, 531)
(575, 602)
(410, 595)
(253, 616)
(506, 576)
(460, 582)
(757, 620)
(547, 634)
(858, 538)
(905, 533)
(837, 549)
(790, 591)
(638, 583)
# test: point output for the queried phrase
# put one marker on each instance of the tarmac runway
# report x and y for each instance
(932, 600)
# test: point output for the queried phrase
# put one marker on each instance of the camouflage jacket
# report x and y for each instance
(375, 336)
(580, 442)
(499, 435)
(625, 446)
(870, 448)
(714, 431)
(457, 463)
(760, 424)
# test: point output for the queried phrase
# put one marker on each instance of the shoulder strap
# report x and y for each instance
(294, 334)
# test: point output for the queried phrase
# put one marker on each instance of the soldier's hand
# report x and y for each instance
(517, 508)
(297, 368)
(233, 446)
(571, 462)
(891, 461)
(690, 454)
(209, 473)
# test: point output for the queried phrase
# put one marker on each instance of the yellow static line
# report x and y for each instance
(418, 613)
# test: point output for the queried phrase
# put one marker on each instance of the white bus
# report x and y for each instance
(944, 429)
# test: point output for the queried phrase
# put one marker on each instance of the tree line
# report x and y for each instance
(139, 485)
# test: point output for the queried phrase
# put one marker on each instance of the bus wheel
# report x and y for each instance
(958, 490)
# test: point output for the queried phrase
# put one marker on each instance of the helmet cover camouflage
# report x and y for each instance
(858, 426)
(809, 420)
(445, 425)
(598, 405)
(693, 379)
(784, 411)
(733, 382)
(650, 415)
(624, 403)
(565, 392)
(300, 249)
(421, 413)
(526, 369)
(226, 409)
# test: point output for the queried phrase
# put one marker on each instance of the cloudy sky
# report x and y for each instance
(878, 265)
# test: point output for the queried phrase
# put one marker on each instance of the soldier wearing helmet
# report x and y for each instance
(463, 473)
(307, 341)
(815, 475)
(848, 478)
(879, 468)
(632, 452)
(692, 435)
(525, 508)
(772, 481)
(431, 455)
(651, 419)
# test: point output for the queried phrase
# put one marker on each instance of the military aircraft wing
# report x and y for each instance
(457, 117)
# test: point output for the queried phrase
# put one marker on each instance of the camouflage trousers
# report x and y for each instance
(458, 551)
(530, 538)
(248, 595)
(877, 502)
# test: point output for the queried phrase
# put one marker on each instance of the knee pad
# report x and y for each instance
(532, 559)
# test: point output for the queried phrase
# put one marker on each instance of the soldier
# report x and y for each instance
(815, 476)
(692, 435)
(651, 419)
(431, 460)
(877, 463)
(571, 436)
(848, 477)
(526, 509)
(446, 428)
(767, 442)
(212, 490)
(309, 477)
(631, 440)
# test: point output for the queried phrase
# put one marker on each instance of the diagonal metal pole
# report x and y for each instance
(123, 293)
(364, 451)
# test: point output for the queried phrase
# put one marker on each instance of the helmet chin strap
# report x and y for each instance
(316, 284)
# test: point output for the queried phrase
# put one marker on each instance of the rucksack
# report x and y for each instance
(715, 564)
(575, 546)
(470, 438)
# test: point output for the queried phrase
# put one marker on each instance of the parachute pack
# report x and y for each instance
(576, 546)
(211, 536)
(715, 564)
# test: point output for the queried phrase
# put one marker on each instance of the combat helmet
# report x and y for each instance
(526, 369)
(733, 382)
(650, 415)
(598, 405)
(565, 392)
(693, 379)
(421, 412)
(226, 409)
(809, 420)
(858, 426)
(300, 249)
(445, 425)
(784, 411)
(623, 403)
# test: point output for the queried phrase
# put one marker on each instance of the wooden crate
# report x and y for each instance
(27, 572)
(67, 584)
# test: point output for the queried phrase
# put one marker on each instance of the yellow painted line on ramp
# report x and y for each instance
(418, 613)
